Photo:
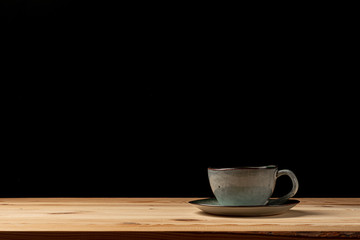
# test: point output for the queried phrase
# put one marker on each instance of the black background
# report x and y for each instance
(120, 100)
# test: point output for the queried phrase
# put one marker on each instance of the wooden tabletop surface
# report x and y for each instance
(170, 218)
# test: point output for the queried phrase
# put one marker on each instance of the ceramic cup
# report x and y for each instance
(248, 186)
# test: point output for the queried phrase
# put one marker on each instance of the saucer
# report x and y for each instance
(212, 206)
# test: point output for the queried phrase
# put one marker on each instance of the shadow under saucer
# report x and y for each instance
(288, 214)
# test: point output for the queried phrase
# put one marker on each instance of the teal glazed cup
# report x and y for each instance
(248, 186)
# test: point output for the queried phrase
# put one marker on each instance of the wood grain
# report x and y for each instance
(123, 235)
(170, 218)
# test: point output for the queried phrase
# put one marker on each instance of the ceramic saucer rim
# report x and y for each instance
(287, 203)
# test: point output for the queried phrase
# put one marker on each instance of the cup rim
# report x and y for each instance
(244, 167)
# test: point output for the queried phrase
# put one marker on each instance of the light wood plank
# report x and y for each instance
(319, 217)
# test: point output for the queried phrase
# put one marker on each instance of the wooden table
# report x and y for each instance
(170, 218)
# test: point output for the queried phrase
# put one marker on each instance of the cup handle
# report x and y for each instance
(295, 186)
